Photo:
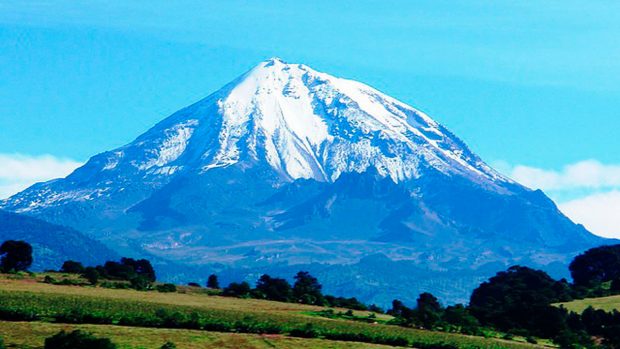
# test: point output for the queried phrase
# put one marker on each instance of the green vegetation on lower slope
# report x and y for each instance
(609, 303)
(518, 305)
(38, 303)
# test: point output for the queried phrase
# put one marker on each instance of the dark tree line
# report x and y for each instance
(430, 314)
(521, 301)
(140, 273)
(305, 290)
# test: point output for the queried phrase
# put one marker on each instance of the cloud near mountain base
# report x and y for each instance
(588, 192)
(19, 171)
(599, 212)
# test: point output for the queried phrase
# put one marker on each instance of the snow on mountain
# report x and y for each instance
(302, 123)
(307, 124)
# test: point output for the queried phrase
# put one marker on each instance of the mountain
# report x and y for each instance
(286, 168)
(52, 244)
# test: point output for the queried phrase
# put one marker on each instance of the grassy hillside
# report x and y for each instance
(604, 303)
(194, 319)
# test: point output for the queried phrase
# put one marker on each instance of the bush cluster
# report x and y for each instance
(77, 340)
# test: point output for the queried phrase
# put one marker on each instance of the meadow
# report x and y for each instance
(604, 303)
(191, 317)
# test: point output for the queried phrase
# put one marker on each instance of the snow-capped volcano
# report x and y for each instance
(287, 167)
(301, 123)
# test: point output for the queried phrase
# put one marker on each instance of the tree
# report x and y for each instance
(128, 269)
(397, 308)
(429, 310)
(212, 282)
(521, 298)
(116, 270)
(16, 256)
(307, 289)
(237, 290)
(375, 309)
(91, 274)
(342, 302)
(72, 267)
(77, 340)
(274, 289)
(596, 265)
(141, 267)
(141, 283)
(615, 285)
(402, 313)
(459, 316)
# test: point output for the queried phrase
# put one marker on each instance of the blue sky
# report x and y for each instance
(533, 87)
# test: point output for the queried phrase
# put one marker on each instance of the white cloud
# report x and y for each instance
(588, 192)
(584, 174)
(599, 213)
(17, 171)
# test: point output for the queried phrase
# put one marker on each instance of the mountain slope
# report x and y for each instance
(52, 244)
(287, 168)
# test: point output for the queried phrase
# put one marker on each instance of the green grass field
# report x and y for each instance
(31, 335)
(604, 303)
(193, 319)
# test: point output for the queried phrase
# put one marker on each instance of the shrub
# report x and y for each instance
(77, 340)
(49, 280)
(140, 283)
(2, 346)
(168, 345)
(166, 288)
(92, 275)
(115, 285)
(342, 302)
(307, 331)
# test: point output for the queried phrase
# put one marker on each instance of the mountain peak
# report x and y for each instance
(291, 120)
(275, 65)
(274, 60)
(308, 124)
